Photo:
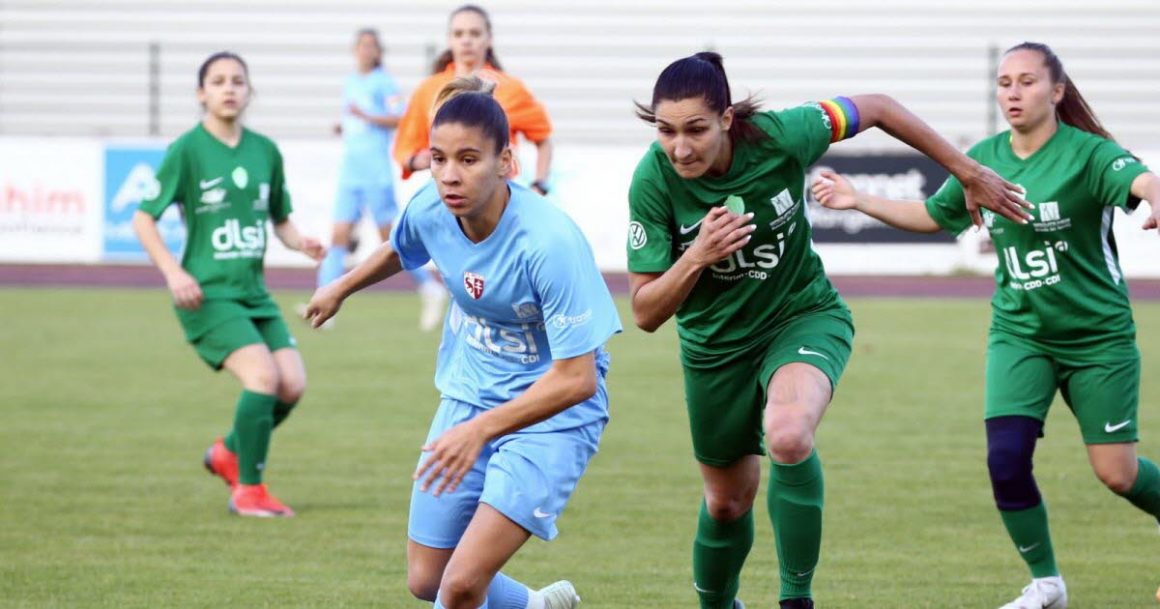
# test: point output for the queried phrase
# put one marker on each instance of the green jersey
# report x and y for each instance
(743, 299)
(227, 195)
(1059, 282)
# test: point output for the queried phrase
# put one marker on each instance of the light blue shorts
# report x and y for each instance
(380, 200)
(526, 476)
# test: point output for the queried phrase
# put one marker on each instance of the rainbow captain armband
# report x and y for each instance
(843, 114)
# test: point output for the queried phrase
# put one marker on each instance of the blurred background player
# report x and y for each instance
(1061, 318)
(229, 182)
(373, 105)
(719, 237)
(523, 408)
(469, 52)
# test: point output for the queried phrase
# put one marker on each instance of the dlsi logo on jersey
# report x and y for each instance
(507, 342)
(1036, 269)
(232, 241)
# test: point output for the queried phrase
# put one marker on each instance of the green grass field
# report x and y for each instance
(105, 412)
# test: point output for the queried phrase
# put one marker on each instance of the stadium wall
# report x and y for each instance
(70, 200)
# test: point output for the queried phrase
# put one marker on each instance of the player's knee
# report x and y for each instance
(462, 589)
(1012, 482)
(263, 379)
(422, 584)
(727, 508)
(789, 440)
(291, 390)
(1118, 479)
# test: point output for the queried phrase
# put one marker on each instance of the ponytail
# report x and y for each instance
(1072, 108)
(703, 76)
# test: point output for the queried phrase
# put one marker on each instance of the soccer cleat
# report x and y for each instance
(1041, 593)
(255, 500)
(221, 462)
(560, 595)
(796, 603)
(434, 298)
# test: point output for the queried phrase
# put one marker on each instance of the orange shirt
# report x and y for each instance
(524, 113)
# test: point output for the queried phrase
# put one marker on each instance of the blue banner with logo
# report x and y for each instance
(130, 177)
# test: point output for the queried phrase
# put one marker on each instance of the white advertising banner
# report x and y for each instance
(50, 199)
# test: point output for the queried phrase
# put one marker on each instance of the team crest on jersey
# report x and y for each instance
(241, 176)
(473, 284)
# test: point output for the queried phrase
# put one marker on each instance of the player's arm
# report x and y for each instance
(185, 289)
(835, 192)
(381, 264)
(1146, 186)
(543, 164)
(983, 187)
(567, 383)
(288, 234)
(657, 296)
(386, 121)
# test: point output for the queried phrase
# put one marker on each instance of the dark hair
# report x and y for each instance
(1072, 109)
(373, 33)
(216, 57)
(446, 57)
(703, 75)
(467, 100)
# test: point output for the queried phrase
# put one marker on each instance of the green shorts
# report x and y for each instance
(223, 339)
(725, 401)
(1103, 393)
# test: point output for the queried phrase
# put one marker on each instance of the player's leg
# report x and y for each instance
(724, 407)
(288, 360)
(801, 369)
(347, 209)
(1020, 385)
(432, 295)
(1105, 400)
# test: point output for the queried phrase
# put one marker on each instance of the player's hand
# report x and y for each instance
(451, 456)
(722, 233)
(312, 247)
(323, 305)
(185, 290)
(356, 111)
(834, 192)
(987, 189)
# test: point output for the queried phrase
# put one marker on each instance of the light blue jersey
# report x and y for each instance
(528, 294)
(367, 147)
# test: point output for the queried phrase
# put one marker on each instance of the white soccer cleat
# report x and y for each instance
(560, 595)
(1041, 593)
(434, 299)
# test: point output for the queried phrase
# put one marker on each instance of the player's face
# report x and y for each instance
(466, 168)
(367, 51)
(1024, 90)
(226, 90)
(468, 38)
(694, 137)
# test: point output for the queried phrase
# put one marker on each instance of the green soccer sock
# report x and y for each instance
(795, 498)
(253, 422)
(719, 551)
(1028, 529)
(1145, 493)
(281, 412)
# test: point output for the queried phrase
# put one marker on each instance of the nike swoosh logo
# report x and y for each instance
(804, 351)
(1109, 428)
(688, 229)
(204, 184)
(1029, 548)
(700, 589)
(538, 513)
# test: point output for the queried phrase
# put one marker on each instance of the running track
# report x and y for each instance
(140, 276)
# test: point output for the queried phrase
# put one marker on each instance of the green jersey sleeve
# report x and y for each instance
(280, 207)
(650, 241)
(808, 130)
(1109, 174)
(169, 182)
(948, 207)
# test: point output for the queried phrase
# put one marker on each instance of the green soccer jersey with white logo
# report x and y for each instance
(1058, 282)
(226, 196)
(777, 275)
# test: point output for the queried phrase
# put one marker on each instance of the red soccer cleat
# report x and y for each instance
(222, 463)
(255, 500)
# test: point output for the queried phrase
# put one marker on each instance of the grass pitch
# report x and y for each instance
(105, 412)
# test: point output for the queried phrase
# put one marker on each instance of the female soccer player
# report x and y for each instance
(470, 52)
(229, 182)
(719, 237)
(521, 367)
(1061, 317)
(373, 106)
